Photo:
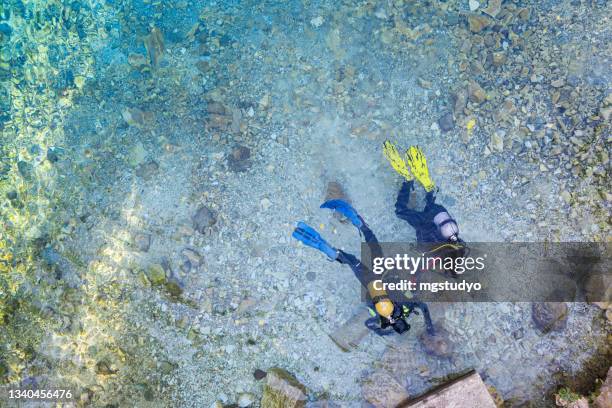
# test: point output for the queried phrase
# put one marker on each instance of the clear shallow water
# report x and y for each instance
(121, 119)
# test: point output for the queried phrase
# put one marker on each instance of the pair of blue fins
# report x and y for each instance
(309, 236)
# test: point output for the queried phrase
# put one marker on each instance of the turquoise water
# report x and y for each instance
(122, 120)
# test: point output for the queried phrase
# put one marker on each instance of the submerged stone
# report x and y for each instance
(239, 159)
(174, 288)
(283, 390)
(142, 242)
(203, 219)
(437, 344)
(549, 316)
(5, 30)
(478, 22)
(382, 390)
(604, 399)
(446, 122)
(259, 374)
(26, 170)
(105, 368)
(53, 155)
(246, 399)
(156, 274)
(154, 44)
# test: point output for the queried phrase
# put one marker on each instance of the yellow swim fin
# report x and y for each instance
(396, 161)
(418, 167)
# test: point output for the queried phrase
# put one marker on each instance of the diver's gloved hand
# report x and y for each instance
(383, 327)
(309, 236)
(345, 209)
(400, 326)
(418, 167)
(373, 323)
(399, 165)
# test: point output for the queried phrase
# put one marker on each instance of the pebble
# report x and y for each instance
(566, 196)
(137, 155)
(156, 274)
(259, 374)
(239, 159)
(52, 155)
(478, 22)
(147, 170)
(245, 399)
(493, 8)
(474, 4)
(446, 122)
(476, 93)
(558, 83)
(424, 83)
(26, 170)
(317, 22)
(191, 255)
(265, 203)
(203, 219)
(499, 59)
(549, 316)
(174, 287)
(497, 142)
(142, 242)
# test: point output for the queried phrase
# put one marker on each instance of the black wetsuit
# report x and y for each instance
(365, 276)
(427, 233)
(421, 221)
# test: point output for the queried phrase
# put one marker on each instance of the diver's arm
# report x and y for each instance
(372, 324)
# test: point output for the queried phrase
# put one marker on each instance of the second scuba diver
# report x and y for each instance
(392, 315)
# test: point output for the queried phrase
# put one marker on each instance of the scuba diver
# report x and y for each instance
(387, 316)
(433, 225)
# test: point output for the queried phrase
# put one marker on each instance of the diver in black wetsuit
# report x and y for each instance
(433, 225)
(389, 316)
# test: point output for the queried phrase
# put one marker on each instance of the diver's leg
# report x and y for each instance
(371, 241)
(414, 217)
(430, 198)
(355, 264)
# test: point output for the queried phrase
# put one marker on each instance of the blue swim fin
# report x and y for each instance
(309, 236)
(345, 209)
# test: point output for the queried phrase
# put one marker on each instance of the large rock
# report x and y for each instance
(383, 391)
(282, 390)
(466, 391)
(549, 316)
(352, 332)
(604, 400)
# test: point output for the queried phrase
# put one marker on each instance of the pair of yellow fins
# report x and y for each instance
(414, 166)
